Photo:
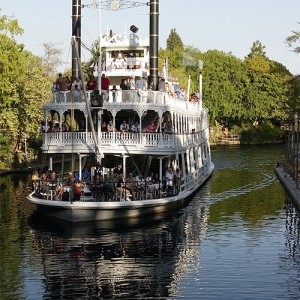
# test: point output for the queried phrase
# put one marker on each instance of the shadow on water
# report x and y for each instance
(127, 259)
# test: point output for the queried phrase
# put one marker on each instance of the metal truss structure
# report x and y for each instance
(115, 4)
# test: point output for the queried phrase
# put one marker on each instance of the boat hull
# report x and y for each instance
(82, 211)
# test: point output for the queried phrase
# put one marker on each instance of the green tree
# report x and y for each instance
(257, 49)
(292, 39)
(174, 41)
(24, 89)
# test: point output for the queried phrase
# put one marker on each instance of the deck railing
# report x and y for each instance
(126, 96)
(140, 140)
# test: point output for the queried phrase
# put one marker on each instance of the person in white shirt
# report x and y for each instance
(124, 127)
(169, 181)
(135, 127)
(77, 82)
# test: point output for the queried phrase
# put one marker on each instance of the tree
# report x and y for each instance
(23, 91)
(52, 57)
(292, 39)
(257, 49)
(174, 41)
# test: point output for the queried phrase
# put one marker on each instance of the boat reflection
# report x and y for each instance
(117, 259)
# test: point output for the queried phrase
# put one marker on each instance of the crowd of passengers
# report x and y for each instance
(135, 127)
(63, 83)
(104, 187)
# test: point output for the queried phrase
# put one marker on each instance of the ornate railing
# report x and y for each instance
(126, 96)
(140, 140)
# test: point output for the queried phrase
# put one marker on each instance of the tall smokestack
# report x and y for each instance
(76, 31)
(154, 17)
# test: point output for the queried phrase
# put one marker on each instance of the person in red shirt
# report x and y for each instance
(105, 82)
(91, 84)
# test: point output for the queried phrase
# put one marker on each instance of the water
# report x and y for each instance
(238, 238)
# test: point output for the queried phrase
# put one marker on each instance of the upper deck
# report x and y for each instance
(186, 117)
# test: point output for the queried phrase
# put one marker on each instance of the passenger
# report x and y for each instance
(78, 189)
(141, 185)
(121, 187)
(135, 127)
(43, 184)
(177, 177)
(124, 127)
(103, 126)
(105, 82)
(50, 126)
(110, 127)
(77, 82)
(140, 85)
(56, 127)
(76, 92)
(131, 184)
(61, 83)
(91, 84)
(131, 83)
(54, 185)
(69, 83)
(169, 128)
(98, 171)
(97, 184)
(82, 126)
(66, 127)
(161, 84)
(108, 186)
(123, 84)
(35, 180)
(86, 175)
(169, 181)
(118, 170)
(114, 93)
(54, 87)
(151, 127)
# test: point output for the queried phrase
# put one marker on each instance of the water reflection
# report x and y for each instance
(238, 238)
(116, 259)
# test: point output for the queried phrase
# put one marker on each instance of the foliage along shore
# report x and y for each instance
(254, 97)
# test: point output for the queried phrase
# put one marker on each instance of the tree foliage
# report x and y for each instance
(23, 90)
(52, 57)
(293, 39)
(174, 41)
(257, 50)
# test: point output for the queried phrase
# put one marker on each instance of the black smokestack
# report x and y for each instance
(76, 31)
(154, 17)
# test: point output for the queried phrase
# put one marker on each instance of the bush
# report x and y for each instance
(265, 133)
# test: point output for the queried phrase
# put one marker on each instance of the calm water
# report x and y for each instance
(238, 238)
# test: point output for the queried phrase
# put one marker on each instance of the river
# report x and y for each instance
(238, 238)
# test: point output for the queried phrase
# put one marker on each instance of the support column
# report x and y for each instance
(79, 166)
(50, 164)
(188, 161)
(183, 165)
(62, 170)
(160, 169)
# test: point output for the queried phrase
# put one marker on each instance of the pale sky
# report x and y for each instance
(224, 25)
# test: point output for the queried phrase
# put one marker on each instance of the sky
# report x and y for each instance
(224, 25)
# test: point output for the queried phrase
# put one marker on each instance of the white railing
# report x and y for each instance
(139, 140)
(127, 96)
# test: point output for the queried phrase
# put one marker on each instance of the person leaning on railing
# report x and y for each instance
(110, 127)
(169, 128)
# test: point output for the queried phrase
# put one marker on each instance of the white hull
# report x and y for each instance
(82, 211)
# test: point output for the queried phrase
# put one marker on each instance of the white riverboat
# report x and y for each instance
(141, 153)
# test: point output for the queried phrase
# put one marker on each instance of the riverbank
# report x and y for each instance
(289, 184)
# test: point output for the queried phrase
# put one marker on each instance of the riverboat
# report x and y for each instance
(179, 159)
